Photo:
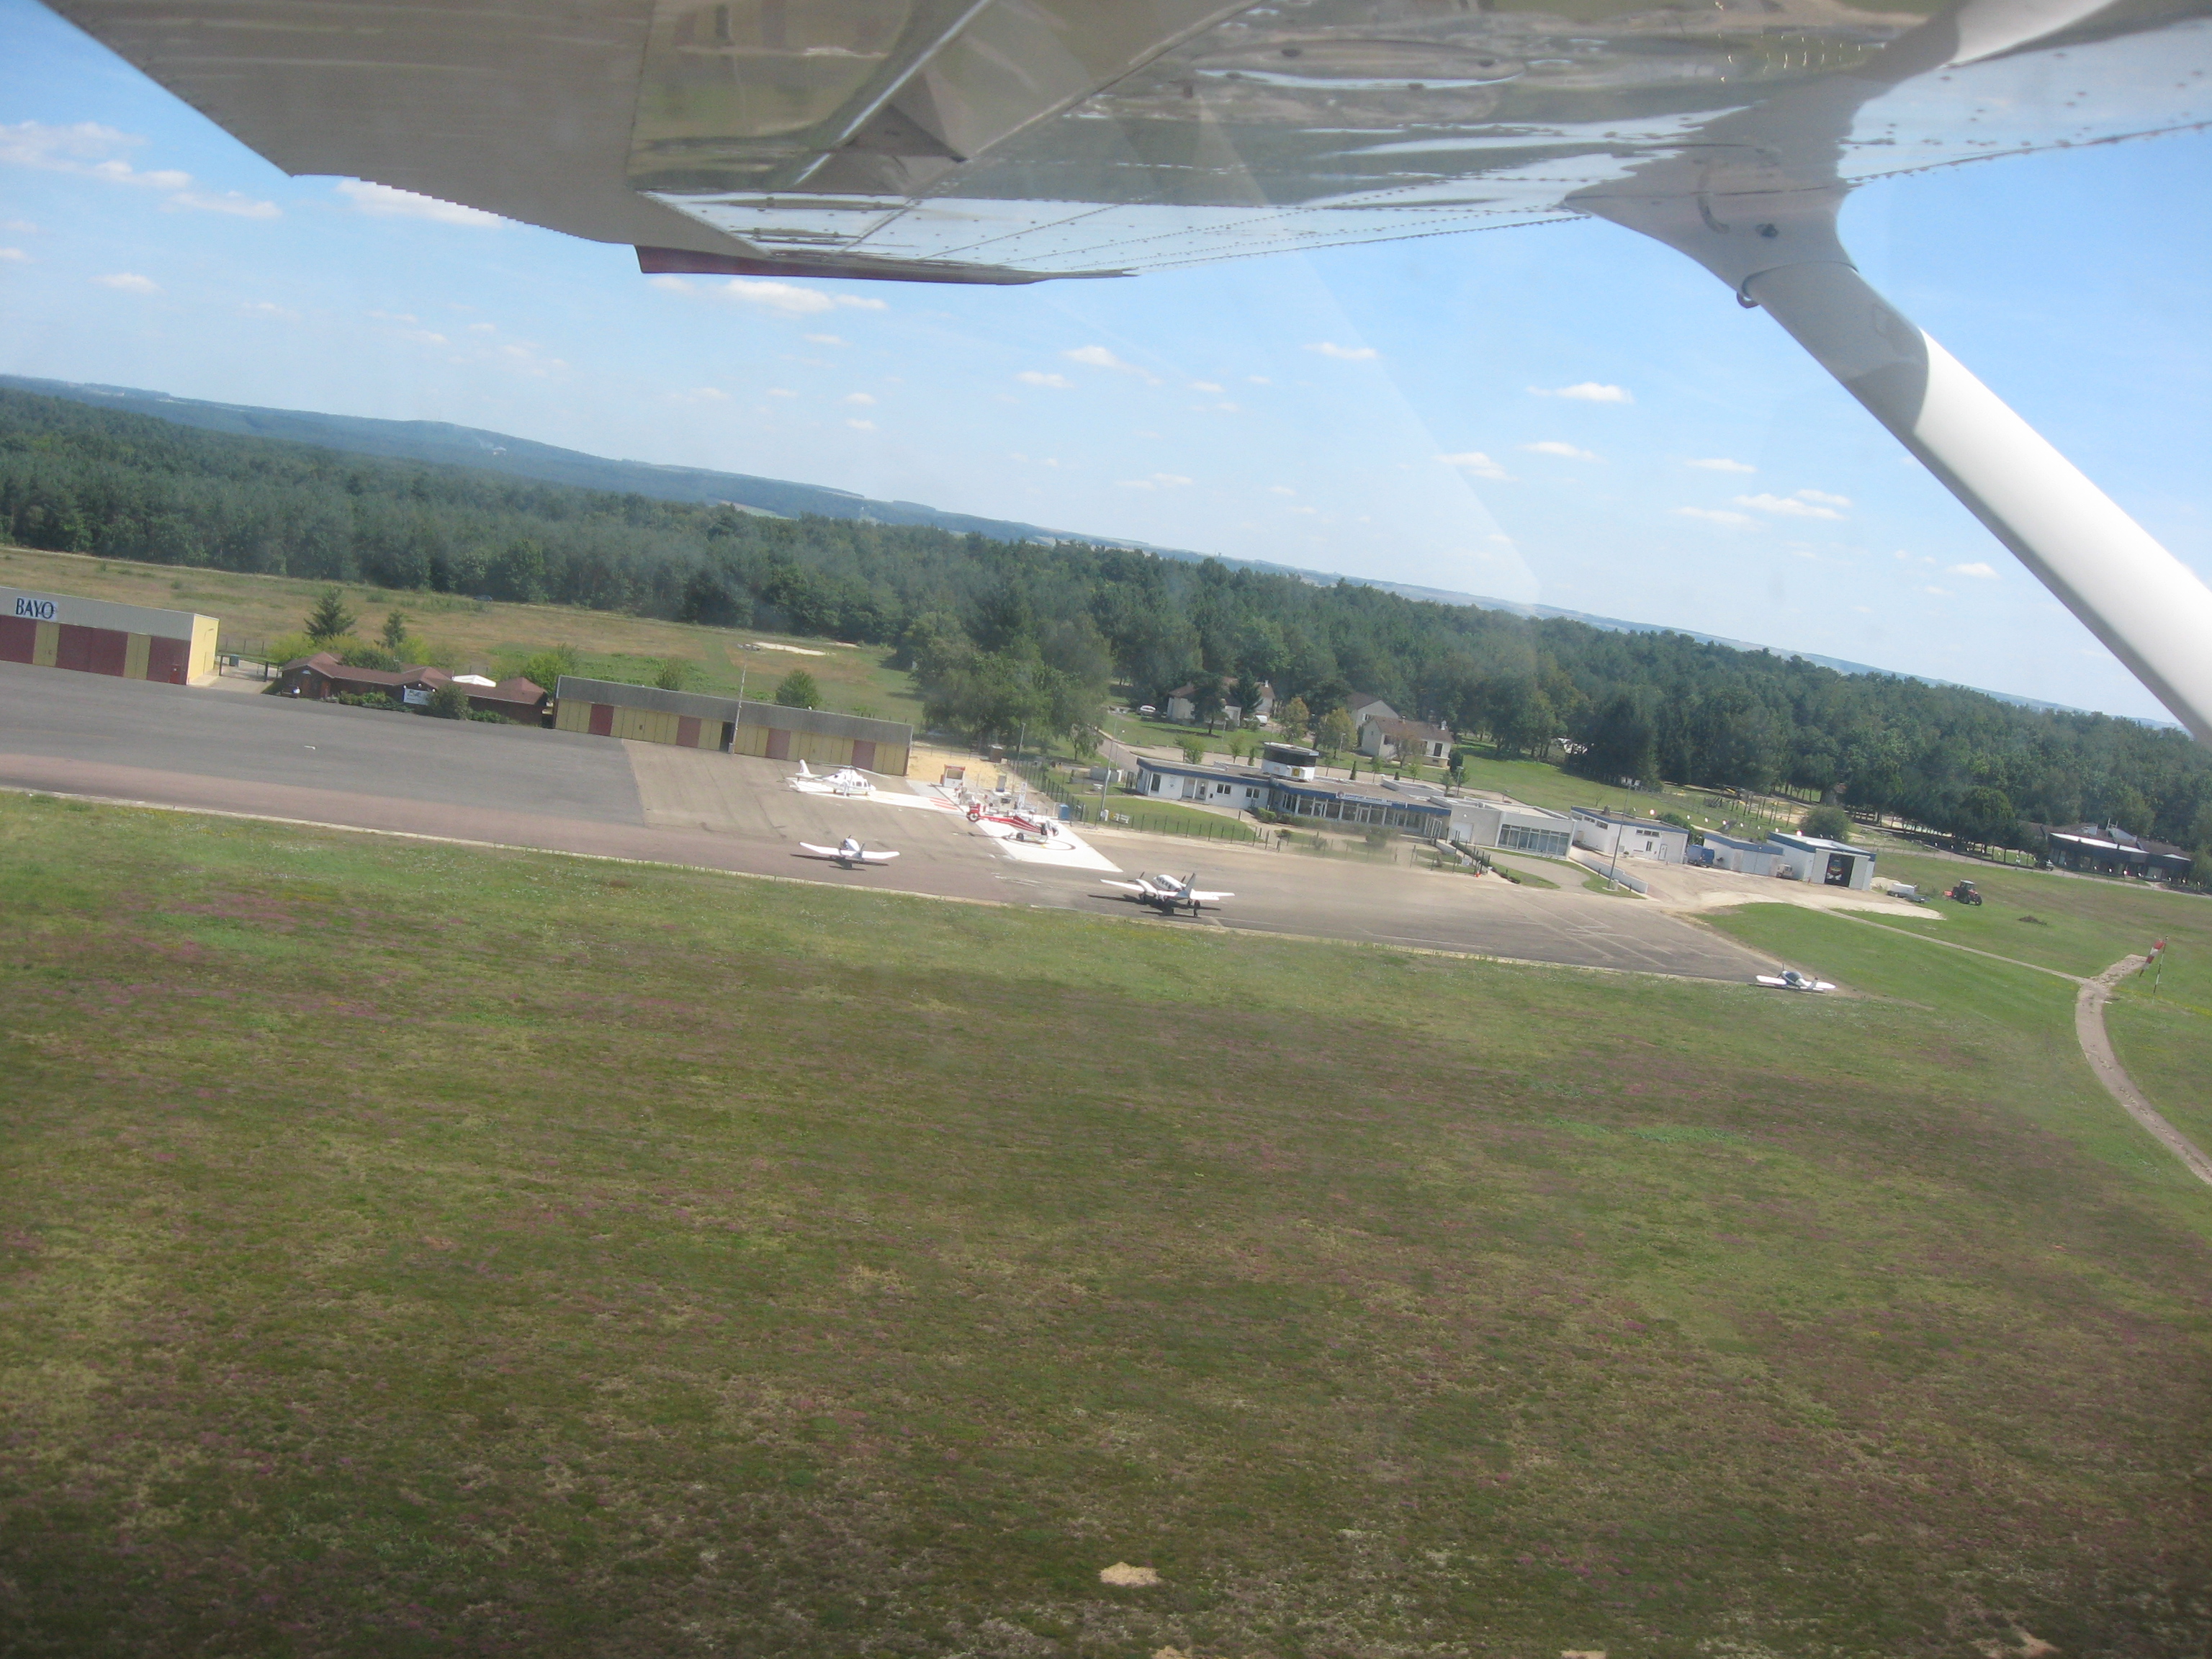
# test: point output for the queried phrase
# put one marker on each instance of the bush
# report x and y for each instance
(1826, 823)
(290, 648)
(359, 654)
(674, 673)
(797, 690)
(449, 703)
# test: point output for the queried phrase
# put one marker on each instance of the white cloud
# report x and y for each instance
(1979, 567)
(861, 397)
(1565, 452)
(1307, 510)
(1157, 480)
(669, 284)
(861, 426)
(383, 202)
(1474, 461)
(124, 282)
(1717, 515)
(1822, 498)
(824, 339)
(1946, 593)
(786, 298)
(858, 302)
(1280, 489)
(24, 226)
(701, 394)
(270, 308)
(1721, 463)
(1344, 354)
(1037, 377)
(781, 391)
(243, 207)
(1787, 507)
(1097, 357)
(1259, 379)
(86, 147)
(13, 256)
(1206, 386)
(484, 328)
(1586, 391)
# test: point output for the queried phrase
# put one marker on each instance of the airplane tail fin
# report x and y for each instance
(803, 772)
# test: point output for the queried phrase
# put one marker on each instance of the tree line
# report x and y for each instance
(1001, 635)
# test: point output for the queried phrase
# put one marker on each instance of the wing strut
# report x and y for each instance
(1754, 200)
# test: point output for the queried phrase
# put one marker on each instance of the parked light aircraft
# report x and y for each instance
(1011, 141)
(1790, 980)
(1167, 895)
(1026, 826)
(847, 854)
(847, 781)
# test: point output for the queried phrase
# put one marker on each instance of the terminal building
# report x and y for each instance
(690, 720)
(98, 636)
(1614, 835)
(1286, 781)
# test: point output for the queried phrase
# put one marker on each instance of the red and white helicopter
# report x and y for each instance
(1167, 895)
(847, 855)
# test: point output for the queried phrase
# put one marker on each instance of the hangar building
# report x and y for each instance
(98, 636)
(1830, 863)
(607, 709)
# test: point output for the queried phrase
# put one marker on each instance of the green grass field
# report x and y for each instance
(416, 1249)
(483, 635)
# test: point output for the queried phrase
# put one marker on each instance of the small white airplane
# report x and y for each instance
(847, 854)
(845, 780)
(1790, 980)
(1167, 895)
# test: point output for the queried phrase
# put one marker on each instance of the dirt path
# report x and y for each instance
(2097, 1049)
(2096, 1046)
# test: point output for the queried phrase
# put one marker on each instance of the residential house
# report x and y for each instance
(1389, 739)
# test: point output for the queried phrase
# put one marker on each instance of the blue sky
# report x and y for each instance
(1565, 414)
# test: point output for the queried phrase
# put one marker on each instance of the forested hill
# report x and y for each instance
(1004, 631)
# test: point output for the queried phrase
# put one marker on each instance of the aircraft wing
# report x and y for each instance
(1210, 898)
(877, 858)
(1138, 887)
(999, 141)
(808, 848)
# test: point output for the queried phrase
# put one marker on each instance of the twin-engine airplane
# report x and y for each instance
(847, 854)
(847, 781)
(1166, 895)
(1011, 141)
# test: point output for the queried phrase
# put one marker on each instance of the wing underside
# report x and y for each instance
(1007, 140)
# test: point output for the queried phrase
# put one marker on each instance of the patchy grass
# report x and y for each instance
(2166, 1047)
(418, 1249)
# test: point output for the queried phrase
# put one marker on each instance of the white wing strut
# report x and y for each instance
(2144, 604)
(1754, 200)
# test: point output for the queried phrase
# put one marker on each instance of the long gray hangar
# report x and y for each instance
(1010, 141)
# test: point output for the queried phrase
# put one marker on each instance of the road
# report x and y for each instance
(359, 769)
